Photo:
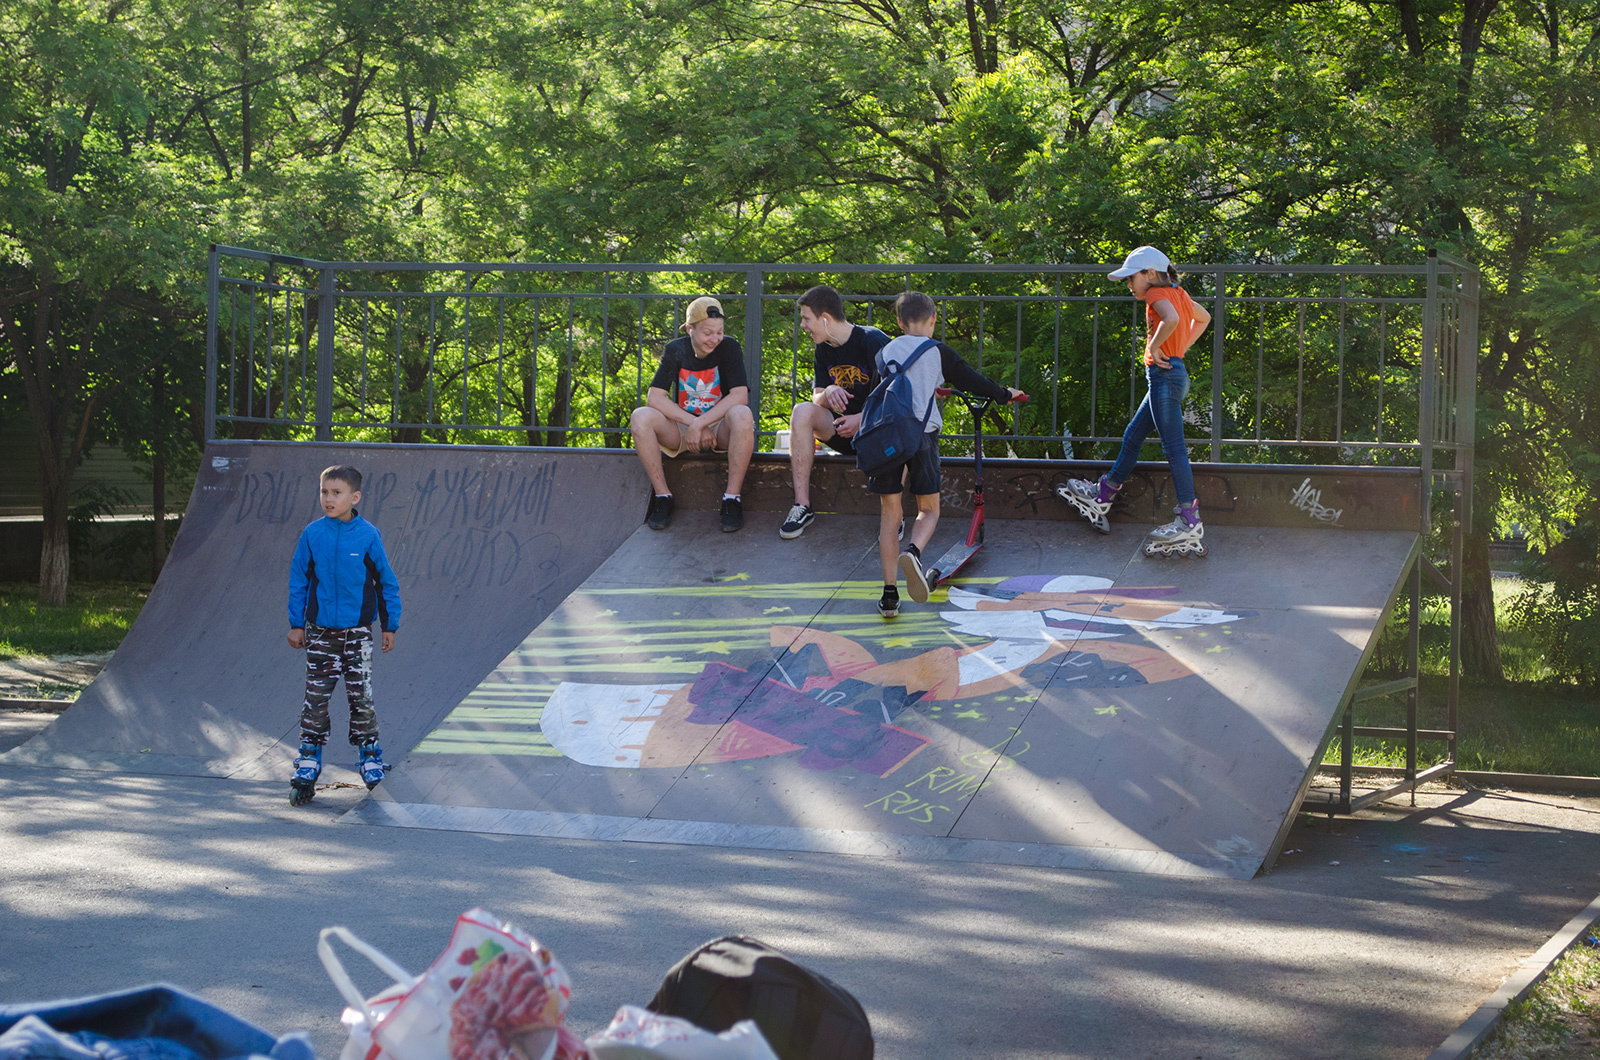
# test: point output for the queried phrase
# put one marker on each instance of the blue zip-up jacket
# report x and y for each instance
(341, 577)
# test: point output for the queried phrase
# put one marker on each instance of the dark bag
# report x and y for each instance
(890, 431)
(803, 1015)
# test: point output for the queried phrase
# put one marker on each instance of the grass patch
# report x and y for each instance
(95, 619)
(1530, 723)
(1557, 1020)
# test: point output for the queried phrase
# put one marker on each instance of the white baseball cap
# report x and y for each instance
(1141, 259)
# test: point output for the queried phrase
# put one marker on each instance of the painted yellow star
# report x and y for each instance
(1106, 710)
(720, 647)
(1216, 648)
(898, 642)
(664, 659)
(776, 610)
(605, 614)
(973, 714)
(741, 577)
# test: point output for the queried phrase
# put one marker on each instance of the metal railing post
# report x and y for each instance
(325, 296)
(213, 292)
(1428, 366)
(754, 288)
(1218, 326)
(1413, 670)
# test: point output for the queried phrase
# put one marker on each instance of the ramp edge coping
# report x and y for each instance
(610, 828)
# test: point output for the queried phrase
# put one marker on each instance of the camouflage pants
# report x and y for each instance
(331, 653)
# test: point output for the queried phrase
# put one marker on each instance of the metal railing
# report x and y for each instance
(1331, 363)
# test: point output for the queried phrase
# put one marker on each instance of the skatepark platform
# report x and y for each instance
(563, 671)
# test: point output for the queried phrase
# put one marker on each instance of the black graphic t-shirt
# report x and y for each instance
(850, 364)
(698, 383)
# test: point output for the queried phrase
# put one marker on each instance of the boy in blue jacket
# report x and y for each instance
(339, 581)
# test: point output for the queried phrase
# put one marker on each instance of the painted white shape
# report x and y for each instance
(1001, 657)
(604, 725)
(1188, 617)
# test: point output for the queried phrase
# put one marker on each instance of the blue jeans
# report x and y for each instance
(1160, 411)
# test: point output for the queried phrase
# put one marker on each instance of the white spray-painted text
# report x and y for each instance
(1309, 501)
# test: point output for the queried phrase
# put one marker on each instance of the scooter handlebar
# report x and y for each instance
(945, 391)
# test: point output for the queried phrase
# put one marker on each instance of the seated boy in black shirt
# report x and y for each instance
(843, 379)
(698, 401)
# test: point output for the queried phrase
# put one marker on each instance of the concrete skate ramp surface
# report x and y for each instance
(1070, 703)
(485, 542)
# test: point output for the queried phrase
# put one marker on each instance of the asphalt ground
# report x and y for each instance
(1374, 937)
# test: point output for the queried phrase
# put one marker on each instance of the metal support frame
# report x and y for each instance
(1457, 360)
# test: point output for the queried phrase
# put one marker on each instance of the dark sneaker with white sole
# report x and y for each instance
(800, 517)
(889, 602)
(660, 512)
(732, 514)
(916, 580)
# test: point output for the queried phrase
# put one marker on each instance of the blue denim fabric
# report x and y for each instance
(146, 1023)
(1161, 411)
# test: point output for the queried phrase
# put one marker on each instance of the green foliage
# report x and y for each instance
(95, 618)
(1556, 1021)
(1560, 608)
(139, 131)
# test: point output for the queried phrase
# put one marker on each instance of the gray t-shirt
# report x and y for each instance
(925, 375)
(936, 368)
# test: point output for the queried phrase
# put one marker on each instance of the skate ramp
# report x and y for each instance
(485, 543)
(1071, 702)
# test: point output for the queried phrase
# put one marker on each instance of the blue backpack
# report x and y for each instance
(890, 431)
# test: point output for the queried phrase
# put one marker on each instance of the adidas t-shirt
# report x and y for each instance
(698, 383)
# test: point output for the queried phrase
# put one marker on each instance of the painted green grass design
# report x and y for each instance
(849, 590)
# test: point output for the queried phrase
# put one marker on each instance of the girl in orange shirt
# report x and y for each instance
(1175, 322)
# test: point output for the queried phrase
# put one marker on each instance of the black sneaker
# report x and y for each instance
(732, 514)
(660, 513)
(916, 581)
(800, 517)
(889, 603)
(901, 535)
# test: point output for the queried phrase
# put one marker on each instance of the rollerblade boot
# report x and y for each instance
(373, 767)
(307, 768)
(1092, 499)
(1184, 536)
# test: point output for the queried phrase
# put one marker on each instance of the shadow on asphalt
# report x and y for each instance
(1373, 938)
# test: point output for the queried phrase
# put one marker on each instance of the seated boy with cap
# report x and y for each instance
(698, 401)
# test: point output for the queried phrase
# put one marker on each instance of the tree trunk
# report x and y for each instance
(158, 471)
(1480, 645)
(560, 409)
(530, 410)
(55, 555)
(55, 465)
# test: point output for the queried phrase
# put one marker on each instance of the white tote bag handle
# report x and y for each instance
(341, 978)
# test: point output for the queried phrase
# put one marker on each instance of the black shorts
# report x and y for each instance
(840, 444)
(921, 472)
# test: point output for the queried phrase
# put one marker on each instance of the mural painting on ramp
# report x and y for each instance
(1094, 705)
(827, 700)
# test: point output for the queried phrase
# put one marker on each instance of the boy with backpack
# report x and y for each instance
(910, 376)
